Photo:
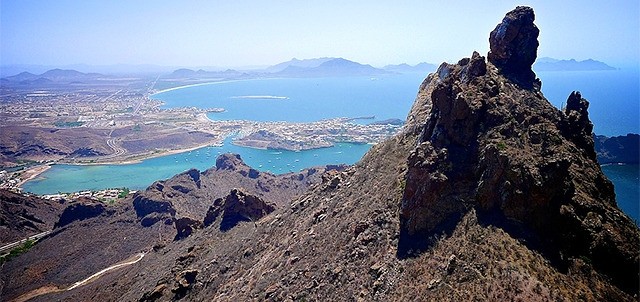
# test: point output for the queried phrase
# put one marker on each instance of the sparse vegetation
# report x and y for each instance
(17, 251)
(62, 124)
(125, 191)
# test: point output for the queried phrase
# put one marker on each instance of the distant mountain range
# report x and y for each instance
(306, 63)
(327, 67)
(316, 67)
(319, 67)
(406, 68)
(53, 75)
(551, 64)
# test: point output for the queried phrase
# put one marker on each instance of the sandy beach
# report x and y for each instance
(32, 173)
(135, 159)
(194, 85)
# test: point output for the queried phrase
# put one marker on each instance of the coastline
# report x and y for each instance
(222, 81)
(33, 173)
(136, 159)
(200, 84)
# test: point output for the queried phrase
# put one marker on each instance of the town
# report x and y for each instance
(120, 122)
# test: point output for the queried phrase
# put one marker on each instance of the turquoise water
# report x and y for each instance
(71, 178)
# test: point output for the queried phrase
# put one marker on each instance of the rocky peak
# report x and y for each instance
(514, 46)
(229, 161)
(488, 143)
(577, 125)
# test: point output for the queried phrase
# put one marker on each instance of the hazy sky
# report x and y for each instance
(245, 33)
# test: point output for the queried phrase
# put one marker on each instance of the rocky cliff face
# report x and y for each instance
(491, 142)
(514, 46)
(81, 210)
(236, 207)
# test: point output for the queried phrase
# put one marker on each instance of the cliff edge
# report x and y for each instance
(491, 142)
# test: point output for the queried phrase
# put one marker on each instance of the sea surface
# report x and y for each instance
(613, 95)
(626, 183)
(302, 99)
(614, 109)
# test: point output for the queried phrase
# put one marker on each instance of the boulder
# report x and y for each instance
(235, 208)
(514, 46)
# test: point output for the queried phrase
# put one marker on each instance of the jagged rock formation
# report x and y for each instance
(488, 194)
(184, 200)
(235, 208)
(514, 46)
(81, 210)
(523, 165)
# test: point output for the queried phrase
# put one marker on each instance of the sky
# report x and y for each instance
(258, 33)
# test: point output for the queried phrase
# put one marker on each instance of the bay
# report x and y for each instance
(302, 99)
(73, 178)
(614, 110)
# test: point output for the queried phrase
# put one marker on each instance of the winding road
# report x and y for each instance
(8, 247)
(54, 289)
(136, 258)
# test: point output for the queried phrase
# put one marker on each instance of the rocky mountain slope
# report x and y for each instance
(90, 236)
(23, 216)
(489, 193)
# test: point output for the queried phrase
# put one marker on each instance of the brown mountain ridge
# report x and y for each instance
(489, 193)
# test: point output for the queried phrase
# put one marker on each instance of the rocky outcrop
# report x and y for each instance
(577, 127)
(185, 226)
(491, 145)
(22, 216)
(150, 211)
(81, 211)
(229, 161)
(514, 46)
(236, 207)
(618, 149)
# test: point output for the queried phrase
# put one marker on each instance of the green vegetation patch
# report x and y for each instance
(63, 124)
(28, 244)
(124, 193)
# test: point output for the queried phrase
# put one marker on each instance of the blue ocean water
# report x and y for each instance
(304, 99)
(613, 95)
(614, 110)
(626, 181)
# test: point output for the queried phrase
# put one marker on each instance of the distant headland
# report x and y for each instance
(551, 64)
